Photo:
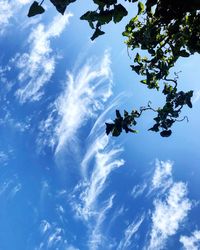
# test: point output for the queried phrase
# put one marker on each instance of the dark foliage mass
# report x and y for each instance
(166, 30)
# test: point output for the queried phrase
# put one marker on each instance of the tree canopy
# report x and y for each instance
(165, 30)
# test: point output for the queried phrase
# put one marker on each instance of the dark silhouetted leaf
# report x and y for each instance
(109, 128)
(61, 5)
(155, 127)
(97, 33)
(119, 13)
(35, 9)
(166, 133)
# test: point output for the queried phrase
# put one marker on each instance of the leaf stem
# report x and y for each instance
(42, 2)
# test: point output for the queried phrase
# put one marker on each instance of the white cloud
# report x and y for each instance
(138, 190)
(5, 14)
(106, 161)
(196, 96)
(44, 226)
(53, 237)
(168, 215)
(85, 93)
(192, 242)
(38, 65)
(3, 158)
(162, 178)
(9, 188)
(129, 232)
(97, 238)
(8, 9)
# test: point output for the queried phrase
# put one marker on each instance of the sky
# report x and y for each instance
(65, 184)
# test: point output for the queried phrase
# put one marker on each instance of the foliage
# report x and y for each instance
(166, 30)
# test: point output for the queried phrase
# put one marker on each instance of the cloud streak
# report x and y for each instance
(8, 9)
(38, 65)
(105, 161)
(129, 233)
(97, 239)
(170, 211)
(191, 242)
(84, 95)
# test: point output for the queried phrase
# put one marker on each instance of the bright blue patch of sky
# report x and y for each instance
(63, 183)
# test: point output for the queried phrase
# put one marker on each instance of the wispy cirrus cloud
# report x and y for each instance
(129, 232)
(105, 159)
(53, 236)
(138, 190)
(38, 65)
(84, 94)
(171, 206)
(97, 239)
(4, 158)
(162, 178)
(5, 15)
(8, 10)
(191, 242)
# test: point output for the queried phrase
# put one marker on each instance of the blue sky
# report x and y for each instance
(64, 184)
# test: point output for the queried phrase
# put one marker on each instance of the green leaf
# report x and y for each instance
(140, 8)
(118, 13)
(116, 132)
(105, 16)
(133, 131)
(35, 9)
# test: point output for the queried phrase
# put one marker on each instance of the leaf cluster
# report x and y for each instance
(166, 30)
(122, 123)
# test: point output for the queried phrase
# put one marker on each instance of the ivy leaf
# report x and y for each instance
(184, 53)
(35, 9)
(109, 127)
(136, 68)
(118, 13)
(61, 5)
(105, 16)
(118, 115)
(140, 8)
(166, 133)
(155, 127)
(116, 131)
(100, 3)
(133, 130)
(97, 33)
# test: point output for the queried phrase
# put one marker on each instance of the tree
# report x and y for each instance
(166, 30)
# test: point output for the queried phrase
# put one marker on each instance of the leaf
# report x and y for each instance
(116, 132)
(105, 16)
(118, 13)
(184, 53)
(166, 133)
(150, 3)
(61, 5)
(35, 9)
(109, 127)
(155, 127)
(133, 130)
(136, 68)
(118, 115)
(97, 33)
(140, 8)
